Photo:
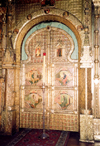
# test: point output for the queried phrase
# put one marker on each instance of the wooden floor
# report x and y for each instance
(73, 140)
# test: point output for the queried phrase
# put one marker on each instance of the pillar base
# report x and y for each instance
(88, 141)
(86, 128)
(96, 129)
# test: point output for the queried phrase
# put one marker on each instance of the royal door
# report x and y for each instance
(61, 78)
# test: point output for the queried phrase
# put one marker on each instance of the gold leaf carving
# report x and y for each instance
(8, 58)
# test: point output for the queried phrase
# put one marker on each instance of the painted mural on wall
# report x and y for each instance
(33, 99)
(33, 76)
(64, 77)
(63, 99)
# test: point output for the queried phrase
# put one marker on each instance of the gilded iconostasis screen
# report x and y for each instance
(61, 78)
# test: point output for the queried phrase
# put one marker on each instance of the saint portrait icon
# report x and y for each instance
(59, 52)
(38, 52)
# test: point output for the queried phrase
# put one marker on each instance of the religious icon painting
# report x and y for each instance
(33, 76)
(33, 99)
(63, 100)
(63, 77)
(38, 52)
(59, 52)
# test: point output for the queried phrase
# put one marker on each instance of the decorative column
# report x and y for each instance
(96, 65)
(86, 119)
(2, 44)
(22, 86)
(9, 76)
(96, 101)
(86, 63)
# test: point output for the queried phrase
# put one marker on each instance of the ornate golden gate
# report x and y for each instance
(61, 79)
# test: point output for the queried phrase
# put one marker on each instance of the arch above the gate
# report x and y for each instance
(55, 15)
(61, 26)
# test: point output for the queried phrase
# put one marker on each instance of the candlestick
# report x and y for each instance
(43, 135)
(44, 54)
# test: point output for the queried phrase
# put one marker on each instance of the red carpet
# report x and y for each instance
(30, 137)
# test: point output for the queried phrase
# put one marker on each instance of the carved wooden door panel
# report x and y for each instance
(61, 80)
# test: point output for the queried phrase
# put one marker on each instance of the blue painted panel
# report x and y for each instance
(53, 24)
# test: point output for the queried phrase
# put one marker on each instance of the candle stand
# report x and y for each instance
(43, 135)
